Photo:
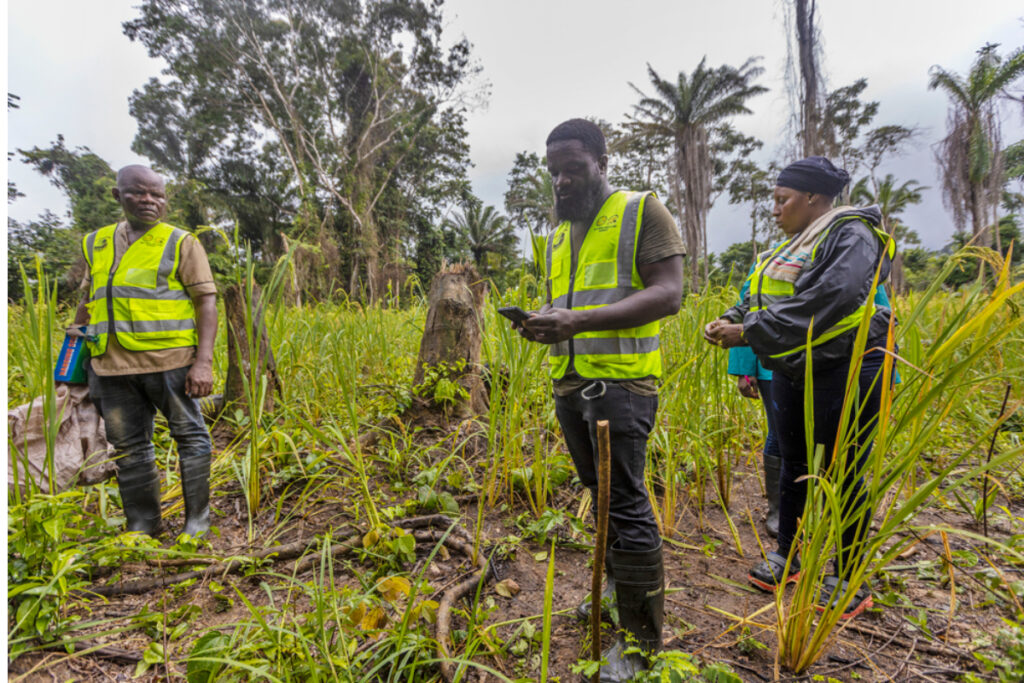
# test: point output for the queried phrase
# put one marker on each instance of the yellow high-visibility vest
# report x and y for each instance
(764, 290)
(605, 273)
(142, 300)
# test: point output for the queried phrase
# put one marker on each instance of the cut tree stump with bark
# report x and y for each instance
(239, 350)
(448, 382)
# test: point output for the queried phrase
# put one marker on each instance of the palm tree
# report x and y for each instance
(530, 202)
(969, 155)
(689, 113)
(484, 231)
(891, 200)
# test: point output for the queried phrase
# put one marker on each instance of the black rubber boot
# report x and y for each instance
(607, 595)
(195, 487)
(140, 496)
(772, 470)
(640, 597)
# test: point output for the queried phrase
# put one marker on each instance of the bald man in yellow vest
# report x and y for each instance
(150, 311)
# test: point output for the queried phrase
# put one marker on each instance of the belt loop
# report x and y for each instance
(599, 386)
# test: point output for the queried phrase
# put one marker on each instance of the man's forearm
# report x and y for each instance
(206, 314)
(645, 306)
(660, 298)
(82, 314)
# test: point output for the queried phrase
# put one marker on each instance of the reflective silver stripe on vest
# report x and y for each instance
(155, 325)
(89, 242)
(132, 292)
(606, 345)
(167, 260)
(560, 349)
(627, 239)
(140, 326)
(595, 297)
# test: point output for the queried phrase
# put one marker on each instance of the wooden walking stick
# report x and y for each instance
(604, 468)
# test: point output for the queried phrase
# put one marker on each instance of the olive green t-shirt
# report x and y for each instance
(195, 274)
(659, 239)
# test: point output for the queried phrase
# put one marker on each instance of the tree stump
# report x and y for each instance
(239, 360)
(448, 380)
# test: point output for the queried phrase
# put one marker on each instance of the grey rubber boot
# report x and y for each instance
(640, 597)
(607, 595)
(140, 496)
(195, 488)
(772, 471)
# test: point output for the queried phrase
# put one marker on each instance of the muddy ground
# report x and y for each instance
(914, 638)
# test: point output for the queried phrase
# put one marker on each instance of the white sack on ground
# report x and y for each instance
(81, 452)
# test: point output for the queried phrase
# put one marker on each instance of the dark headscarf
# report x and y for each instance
(816, 175)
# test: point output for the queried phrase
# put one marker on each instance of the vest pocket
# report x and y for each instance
(599, 274)
(137, 277)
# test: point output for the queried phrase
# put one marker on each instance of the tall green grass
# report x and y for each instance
(31, 361)
(346, 367)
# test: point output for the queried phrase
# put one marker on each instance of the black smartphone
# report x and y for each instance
(514, 313)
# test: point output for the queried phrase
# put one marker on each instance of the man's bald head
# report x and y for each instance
(137, 172)
(140, 192)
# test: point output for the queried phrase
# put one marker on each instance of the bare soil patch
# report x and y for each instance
(920, 635)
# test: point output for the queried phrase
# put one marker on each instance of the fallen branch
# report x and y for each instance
(91, 648)
(279, 553)
(923, 646)
(459, 591)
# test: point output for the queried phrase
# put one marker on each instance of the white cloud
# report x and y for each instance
(547, 61)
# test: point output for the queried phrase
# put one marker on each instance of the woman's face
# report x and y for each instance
(792, 210)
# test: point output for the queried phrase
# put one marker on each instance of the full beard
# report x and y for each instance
(581, 207)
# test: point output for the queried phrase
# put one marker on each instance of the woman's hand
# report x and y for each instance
(711, 331)
(724, 334)
(747, 386)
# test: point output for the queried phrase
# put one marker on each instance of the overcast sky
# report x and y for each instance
(546, 61)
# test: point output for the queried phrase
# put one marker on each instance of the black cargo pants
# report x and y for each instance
(630, 420)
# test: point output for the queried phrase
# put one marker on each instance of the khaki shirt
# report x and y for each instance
(659, 239)
(194, 273)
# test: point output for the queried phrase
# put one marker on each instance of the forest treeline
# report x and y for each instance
(335, 131)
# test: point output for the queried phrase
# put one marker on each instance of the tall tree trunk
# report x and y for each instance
(753, 233)
(696, 176)
(978, 215)
(810, 105)
(692, 248)
(372, 276)
(899, 281)
(896, 274)
(240, 361)
(996, 237)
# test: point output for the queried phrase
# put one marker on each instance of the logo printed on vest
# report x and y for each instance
(101, 243)
(559, 238)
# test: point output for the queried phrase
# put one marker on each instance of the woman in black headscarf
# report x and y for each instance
(823, 273)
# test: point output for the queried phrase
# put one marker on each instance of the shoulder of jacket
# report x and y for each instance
(853, 233)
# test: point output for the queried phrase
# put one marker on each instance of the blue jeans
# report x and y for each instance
(128, 404)
(630, 420)
(787, 397)
(771, 440)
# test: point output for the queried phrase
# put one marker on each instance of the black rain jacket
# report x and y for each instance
(828, 289)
